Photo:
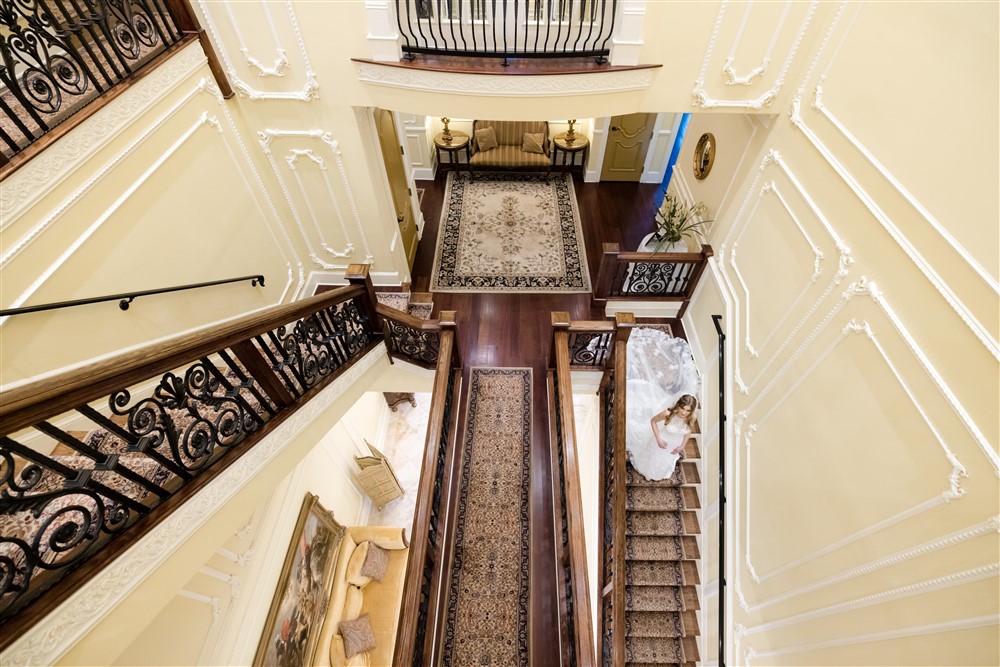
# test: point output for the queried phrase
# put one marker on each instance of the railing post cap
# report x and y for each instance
(446, 318)
(357, 271)
(611, 248)
(624, 320)
(560, 319)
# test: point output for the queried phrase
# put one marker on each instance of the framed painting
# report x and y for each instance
(295, 619)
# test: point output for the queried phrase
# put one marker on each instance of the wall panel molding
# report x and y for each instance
(43, 173)
(45, 642)
(310, 89)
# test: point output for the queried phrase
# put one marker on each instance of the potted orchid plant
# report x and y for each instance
(675, 220)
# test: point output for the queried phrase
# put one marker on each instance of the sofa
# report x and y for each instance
(509, 152)
(381, 600)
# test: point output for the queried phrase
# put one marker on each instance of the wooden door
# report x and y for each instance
(628, 143)
(392, 155)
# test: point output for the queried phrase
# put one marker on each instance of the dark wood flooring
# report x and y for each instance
(514, 330)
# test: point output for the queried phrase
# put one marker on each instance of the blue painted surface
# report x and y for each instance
(674, 152)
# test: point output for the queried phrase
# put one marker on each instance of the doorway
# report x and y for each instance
(628, 143)
(392, 156)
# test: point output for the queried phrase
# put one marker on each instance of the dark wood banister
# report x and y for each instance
(33, 403)
(623, 328)
(448, 368)
(612, 257)
(582, 612)
(717, 320)
(127, 298)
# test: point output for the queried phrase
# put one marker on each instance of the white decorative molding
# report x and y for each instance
(213, 602)
(901, 633)
(627, 42)
(734, 79)
(292, 160)
(845, 260)
(701, 97)
(936, 584)
(990, 526)
(266, 137)
(310, 90)
(43, 173)
(513, 86)
(46, 641)
(383, 36)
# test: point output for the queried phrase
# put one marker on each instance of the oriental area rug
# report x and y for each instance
(488, 593)
(510, 233)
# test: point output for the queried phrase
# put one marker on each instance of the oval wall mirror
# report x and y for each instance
(704, 155)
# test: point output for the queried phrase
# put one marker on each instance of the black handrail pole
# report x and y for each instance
(722, 489)
(128, 297)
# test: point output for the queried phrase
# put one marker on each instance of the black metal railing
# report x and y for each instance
(60, 55)
(125, 299)
(716, 319)
(87, 456)
(507, 28)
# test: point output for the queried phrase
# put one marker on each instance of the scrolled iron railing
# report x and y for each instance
(507, 28)
(89, 458)
(59, 55)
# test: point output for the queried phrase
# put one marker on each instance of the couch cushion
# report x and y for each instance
(358, 636)
(509, 156)
(375, 563)
(353, 575)
(532, 142)
(352, 605)
(486, 139)
(511, 132)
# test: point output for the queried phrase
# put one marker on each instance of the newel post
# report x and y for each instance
(606, 272)
(357, 274)
(560, 325)
(446, 320)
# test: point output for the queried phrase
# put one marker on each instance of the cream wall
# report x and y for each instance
(861, 313)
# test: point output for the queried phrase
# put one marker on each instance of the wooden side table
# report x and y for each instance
(393, 399)
(580, 146)
(460, 141)
(377, 478)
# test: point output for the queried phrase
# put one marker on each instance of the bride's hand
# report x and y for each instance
(662, 444)
(677, 450)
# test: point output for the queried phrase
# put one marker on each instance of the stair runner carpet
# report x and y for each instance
(661, 572)
(488, 593)
(419, 305)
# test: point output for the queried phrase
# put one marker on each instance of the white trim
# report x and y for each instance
(40, 175)
(732, 78)
(46, 641)
(901, 633)
(503, 86)
(310, 90)
(902, 592)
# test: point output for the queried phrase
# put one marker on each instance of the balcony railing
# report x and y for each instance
(660, 276)
(507, 28)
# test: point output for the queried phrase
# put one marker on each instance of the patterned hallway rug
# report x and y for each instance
(488, 597)
(510, 233)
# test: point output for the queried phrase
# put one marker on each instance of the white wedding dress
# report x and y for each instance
(660, 369)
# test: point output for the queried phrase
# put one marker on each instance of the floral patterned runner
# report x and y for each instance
(488, 598)
(510, 232)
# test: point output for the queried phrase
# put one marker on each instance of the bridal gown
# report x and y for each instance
(660, 369)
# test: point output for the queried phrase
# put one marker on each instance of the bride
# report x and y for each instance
(661, 384)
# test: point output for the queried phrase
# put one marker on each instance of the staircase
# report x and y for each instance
(417, 304)
(661, 570)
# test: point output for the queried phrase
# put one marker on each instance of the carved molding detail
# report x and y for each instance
(845, 260)
(734, 79)
(988, 527)
(49, 639)
(310, 90)
(486, 84)
(701, 97)
(266, 138)
(910, 631)
(938, 583)
(45, 171)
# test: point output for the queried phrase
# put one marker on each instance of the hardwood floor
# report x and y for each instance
(515, 330)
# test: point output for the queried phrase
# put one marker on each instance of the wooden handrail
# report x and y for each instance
(627, 321)
(615, 279)
(569, 476)
(25, 405)
(415, 635)
(207, 410)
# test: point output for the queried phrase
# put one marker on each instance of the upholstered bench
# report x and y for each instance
(503, 144)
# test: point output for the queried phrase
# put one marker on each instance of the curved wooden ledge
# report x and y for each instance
(516, 67)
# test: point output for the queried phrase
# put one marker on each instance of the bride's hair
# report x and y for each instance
(685, 401)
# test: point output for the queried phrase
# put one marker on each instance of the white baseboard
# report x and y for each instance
(423, 173)
(651, 177)
(592, 176)
(644, 308)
